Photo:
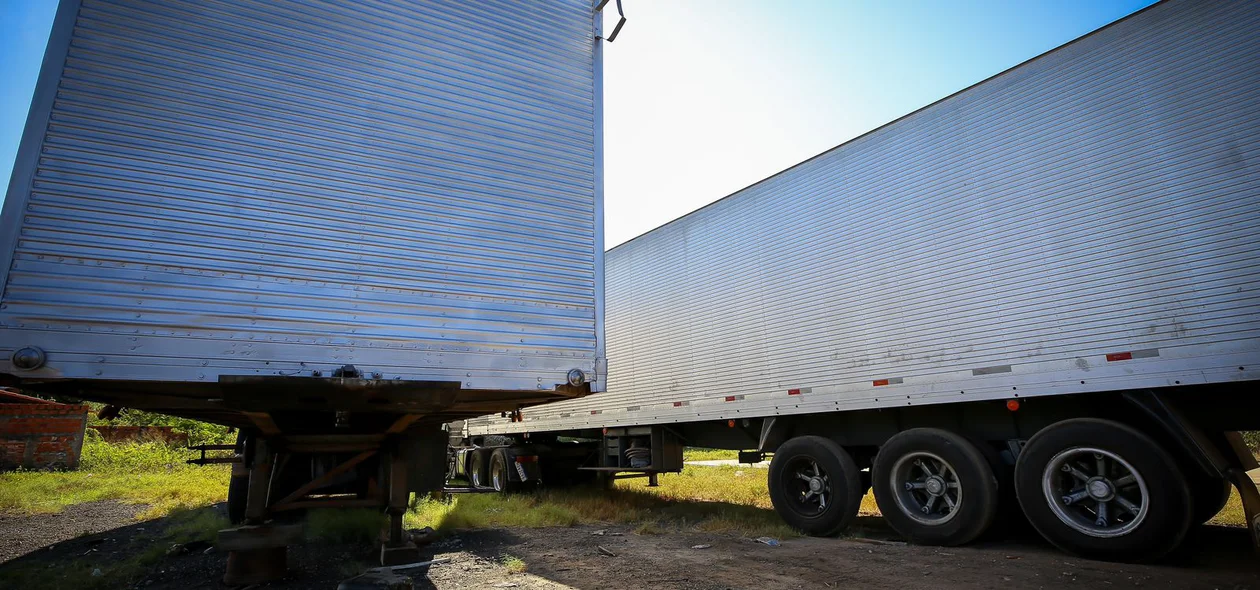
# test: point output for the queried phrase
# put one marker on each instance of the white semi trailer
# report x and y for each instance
(334, 225)
(1041, 293)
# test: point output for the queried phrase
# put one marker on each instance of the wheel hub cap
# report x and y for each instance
(935, 485)
(1099, 489)
(815, 485)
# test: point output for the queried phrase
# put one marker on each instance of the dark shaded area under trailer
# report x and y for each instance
(1180, 456)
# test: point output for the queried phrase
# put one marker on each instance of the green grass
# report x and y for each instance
(151, 474)
(1232, 514)
(703, 454)
(349, 525)
(513, 563)
(711, 499)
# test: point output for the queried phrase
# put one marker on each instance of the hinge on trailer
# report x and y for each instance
(617, 29)
(348, 372)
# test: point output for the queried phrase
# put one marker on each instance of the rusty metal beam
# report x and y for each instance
(403, 422)
(264, 422)
(330, 475)
(259, 483)
(330, 503)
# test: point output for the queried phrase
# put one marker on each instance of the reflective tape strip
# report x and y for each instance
(1132, 354)
(991, 370)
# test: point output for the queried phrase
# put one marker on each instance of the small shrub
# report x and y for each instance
(513, 564)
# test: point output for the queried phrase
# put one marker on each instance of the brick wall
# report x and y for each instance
(40, 436)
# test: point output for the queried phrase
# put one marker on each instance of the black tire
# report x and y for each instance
(238, 484)
(1159, 490)
(479, 469)
(500, 474)
(1209, 495)
(1010, 518)
(935, 459)
(840, 480)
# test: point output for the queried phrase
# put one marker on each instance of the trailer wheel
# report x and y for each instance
(1209, 494)
(479, 469)
(815, 485)
(934, 487)
(1103, 490)
(500, 477)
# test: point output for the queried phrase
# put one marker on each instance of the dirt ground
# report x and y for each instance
(577, 557)
(20, 535)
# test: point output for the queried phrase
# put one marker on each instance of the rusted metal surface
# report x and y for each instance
(324, 479)
(328, 502)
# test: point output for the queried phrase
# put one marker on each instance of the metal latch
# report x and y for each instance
(617, 29)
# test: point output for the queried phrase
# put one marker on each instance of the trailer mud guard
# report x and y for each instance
(774, 432)
(1210, 458)
(1192, 442)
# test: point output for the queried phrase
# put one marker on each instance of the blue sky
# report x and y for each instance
(704, 97)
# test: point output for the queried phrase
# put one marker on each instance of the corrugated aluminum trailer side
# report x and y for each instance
(212, 191)
(1083, 222)
(1039, 294)
(336, 225)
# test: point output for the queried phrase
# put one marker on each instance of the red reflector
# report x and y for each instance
(730, 424)
(794, 392)
(1119, 356)
(730, 398)
(527, 458)
(593, 412)
(1012, 404)
(677, 404)
(879, 382)
(605, 431)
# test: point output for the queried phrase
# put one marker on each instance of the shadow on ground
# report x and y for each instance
(140, 555)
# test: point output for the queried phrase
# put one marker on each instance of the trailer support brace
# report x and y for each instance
(397, 549)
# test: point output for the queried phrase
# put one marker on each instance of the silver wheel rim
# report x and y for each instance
(926, 488)
(1095, 492)
(808, 485)
(494, 477)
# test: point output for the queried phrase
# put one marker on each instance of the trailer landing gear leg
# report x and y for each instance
(1241, 478)
(397, 549)
(257, 552)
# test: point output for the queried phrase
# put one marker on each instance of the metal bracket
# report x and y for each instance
(204, 460)
(347, 372)
(617, 29)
